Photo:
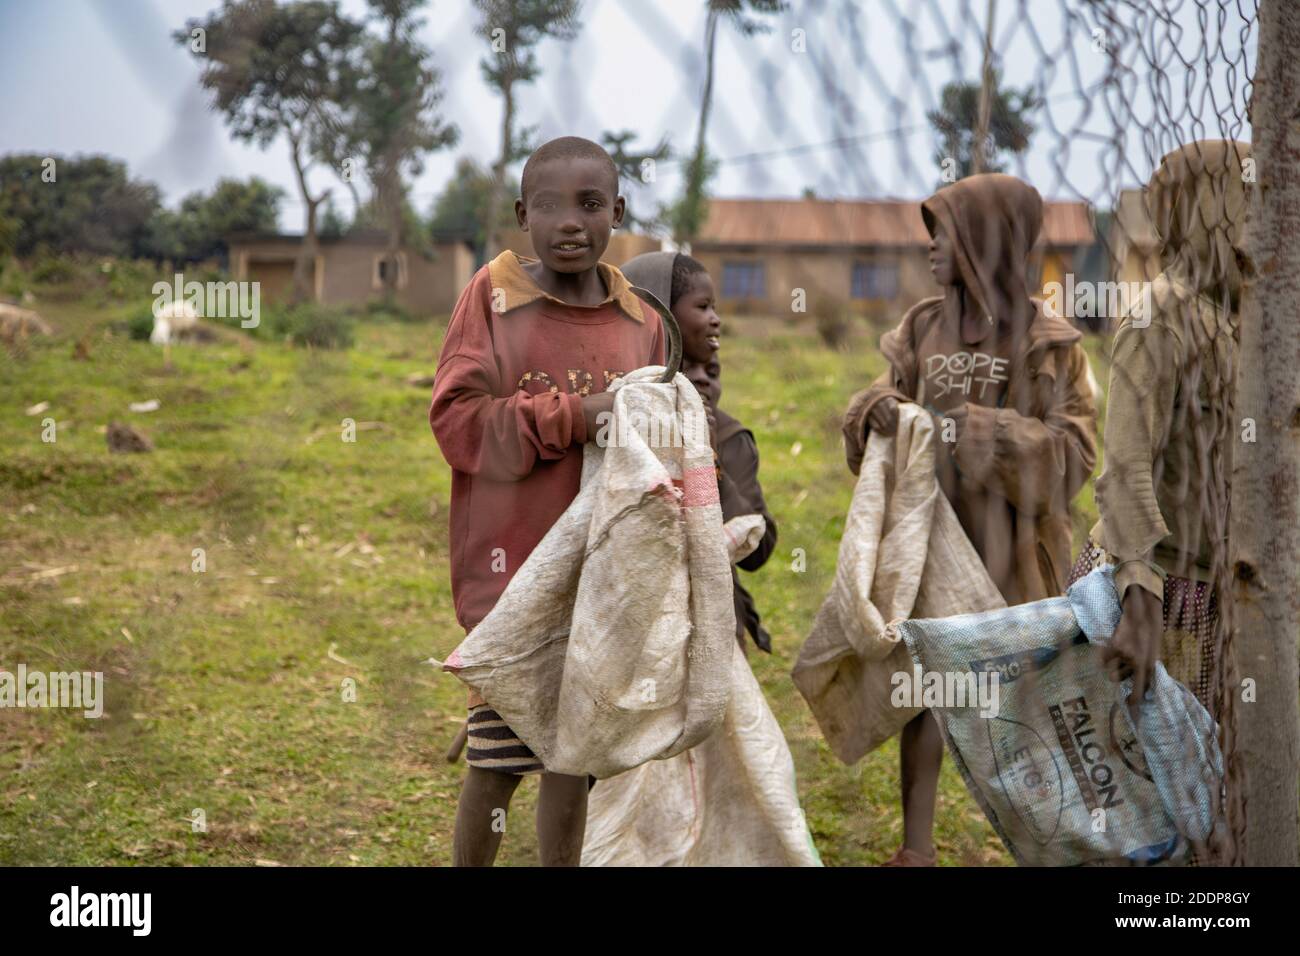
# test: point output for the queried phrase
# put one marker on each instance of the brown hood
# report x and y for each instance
(652, 271)
(1197, 200)
(994, 221)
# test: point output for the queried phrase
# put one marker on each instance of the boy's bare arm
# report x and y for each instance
(1135, 646)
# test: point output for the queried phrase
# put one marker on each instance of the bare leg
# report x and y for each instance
(478, 824)
(561, 819)
(921, 752)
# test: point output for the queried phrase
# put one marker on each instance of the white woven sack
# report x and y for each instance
(729, 801)
(611, 644)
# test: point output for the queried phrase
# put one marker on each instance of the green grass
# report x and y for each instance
(328, 561)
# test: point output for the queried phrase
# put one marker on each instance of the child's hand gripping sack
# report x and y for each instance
(1058, 763)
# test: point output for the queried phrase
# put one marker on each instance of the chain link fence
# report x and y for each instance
(1117, 108)
(1121, 106)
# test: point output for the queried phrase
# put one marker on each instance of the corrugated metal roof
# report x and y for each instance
(856, 222)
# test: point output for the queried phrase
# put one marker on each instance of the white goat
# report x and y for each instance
(174, 317)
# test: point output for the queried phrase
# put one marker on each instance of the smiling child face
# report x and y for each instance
(571, 207)
(696, 317)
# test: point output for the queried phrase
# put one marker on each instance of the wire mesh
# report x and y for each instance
(1085, 100)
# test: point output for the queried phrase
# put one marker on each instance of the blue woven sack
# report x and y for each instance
(1061, 769)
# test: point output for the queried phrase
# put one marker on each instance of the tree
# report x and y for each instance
(233, 206)
(636, 166)
(83, 204)
(280, 69)
(463, 209)
(687, 217)
(512, 29)
(389, 119)
(1265, 525)
(332, 225)
(957, 121)
(198, 229)
(413, 231)
(8, 238)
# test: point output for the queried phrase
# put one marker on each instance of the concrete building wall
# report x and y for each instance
(436, 283)
(346, 272)
(826, 275)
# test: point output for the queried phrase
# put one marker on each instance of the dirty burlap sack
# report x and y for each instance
(612, 644)
(903, 554)
(728, 801)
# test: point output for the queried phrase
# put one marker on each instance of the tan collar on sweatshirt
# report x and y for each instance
(506, 272)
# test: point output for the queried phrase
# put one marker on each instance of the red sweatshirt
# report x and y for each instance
(507, 413)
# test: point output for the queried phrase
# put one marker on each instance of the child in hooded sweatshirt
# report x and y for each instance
(1163, 493)
(685, 286)
(1008, 383)
(739, 490)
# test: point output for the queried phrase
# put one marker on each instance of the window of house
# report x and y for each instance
(743, 280)
(380, 269)
(875, 280)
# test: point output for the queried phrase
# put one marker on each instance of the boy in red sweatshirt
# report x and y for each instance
(531, 347)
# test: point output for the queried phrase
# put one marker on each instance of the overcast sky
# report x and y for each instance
(845, 116)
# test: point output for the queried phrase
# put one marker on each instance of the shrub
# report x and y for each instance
(140, 326)
(52, 269)
(377, 310)
(310, 325)
(125, 279)
(13, 283)
(832, 324)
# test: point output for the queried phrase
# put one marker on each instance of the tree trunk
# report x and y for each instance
(979, 151)
(303, 267)
(391, 193)
(500, 193)
(388, 189)
(706, 97)
(1265, 531)
(356, 201)
(693, 195)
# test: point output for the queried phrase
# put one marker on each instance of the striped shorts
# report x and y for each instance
(492, 745)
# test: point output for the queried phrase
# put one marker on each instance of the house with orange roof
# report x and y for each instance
(869, 256)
